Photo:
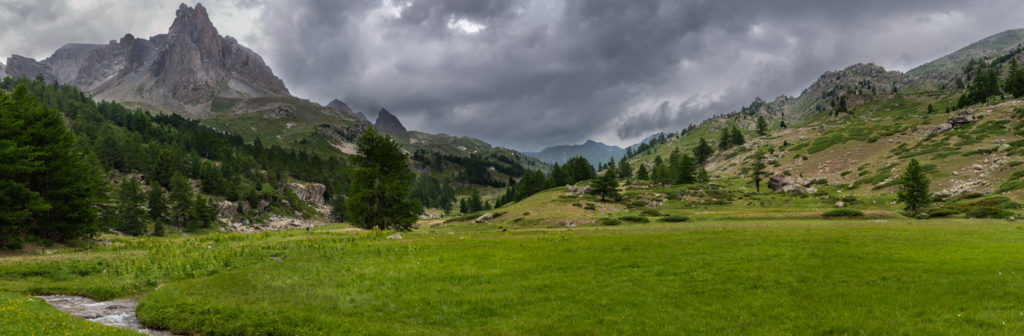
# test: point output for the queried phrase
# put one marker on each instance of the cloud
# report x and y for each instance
(533, 73)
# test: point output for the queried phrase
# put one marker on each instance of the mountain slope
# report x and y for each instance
(942, 67)
(593, 151)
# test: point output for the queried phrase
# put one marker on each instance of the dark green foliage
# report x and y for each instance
(942, 213)
(131, 216)
(634, 219)
(842, 213)
(702, 176)
(625, 170)
(182, 210)
(702, 152)
(674, 219)
(651, 212)
(757, 170)
(475, 203)
(782, 124)
(558, 176)
(985, 85)
(379, 189)
(157, 202)
(762, 126)
(725, 141)
(989, 212)
(609, 221)
(338, 208)
(684, 169)
(431, 192)
(914, 188)
(1014, 84)
(840, 106)
(49, 182)
(606, 187)
(641, 173)
(736, 137)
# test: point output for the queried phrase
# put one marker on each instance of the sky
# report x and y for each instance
(528, 74)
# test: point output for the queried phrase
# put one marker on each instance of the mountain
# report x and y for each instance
(183, 70)
(195, 72)
(891, 118)
(388, 124)
(338, 104)
(943, 67)
(593, 151)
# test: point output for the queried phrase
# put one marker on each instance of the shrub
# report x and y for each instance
(942, 213)
(1015, 163)
(634, 219)
(652, 212)
(842, 213)
(988, 212)
(578, 205)
(637, 204)
(609, 221)
(849, 199)
(675, 219)
(589, 206)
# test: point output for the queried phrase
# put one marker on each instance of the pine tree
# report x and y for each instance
(736, 137)
(914, 186)
(762, 126)
(338, 208)
(625, 170)
(931, 109)
(157, 202)
(724, 142)
(475, 203)
(1014, 84)
(702, 176)
(379, 186)
(757, 167)
(687, 170)
(130, 213)
(463, 206)
(182, 209)
(782, 124)
(606, 186)
(558, 176)
(59, 180)
(641, 173)
(702, 152)
(841, 106)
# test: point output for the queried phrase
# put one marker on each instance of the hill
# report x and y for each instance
(593, 151)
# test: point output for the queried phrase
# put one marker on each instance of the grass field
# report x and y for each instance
(880, 276)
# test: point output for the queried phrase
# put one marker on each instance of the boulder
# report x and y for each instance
(785, 183)
(485, 217)
(309, 192)
(578, 191)
(395, 236)
(840, 204)
(962, 118)
(942, 128)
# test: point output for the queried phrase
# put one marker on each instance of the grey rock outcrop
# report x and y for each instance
(182, 70)
(19, 66)
(309, 192)
(957, 120)
(785, 183)
(340, 105)
(388, 124)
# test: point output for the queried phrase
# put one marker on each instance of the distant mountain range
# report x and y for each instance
(593, 151)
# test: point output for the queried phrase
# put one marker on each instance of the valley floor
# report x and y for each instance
(715, 276)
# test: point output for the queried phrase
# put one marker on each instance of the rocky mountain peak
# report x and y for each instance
(388, 124)
(338, 104)
(193, 23)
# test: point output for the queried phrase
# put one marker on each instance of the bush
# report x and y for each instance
(849, 199)
(652, 212)
(634, 219)
(942, 213)
(842, 213)
(989, 212)
(589, 206)
(609, 221)
(637, 204)
(675, 219)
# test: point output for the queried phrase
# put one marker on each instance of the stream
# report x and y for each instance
(114, 313)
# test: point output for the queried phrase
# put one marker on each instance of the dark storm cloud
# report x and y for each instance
(532, 73)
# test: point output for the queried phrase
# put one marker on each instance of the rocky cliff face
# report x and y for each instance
(182, 70)
(388, 124)
(340, 105)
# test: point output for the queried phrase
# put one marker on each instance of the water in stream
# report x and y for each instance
(114, 313)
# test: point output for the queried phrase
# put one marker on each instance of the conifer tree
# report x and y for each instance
(914, 186)
(702, 176)
(736, 137)
(641, 173)
(1014, 84)
(338, 208)
(702, 152)
(606, 186)
(782, 124)
(131, 217)
(762, 126)
(475, 203)
(182, 209)
(757, 167)
(625, 170)
(724, 142)
(687, 170)
(379, 186)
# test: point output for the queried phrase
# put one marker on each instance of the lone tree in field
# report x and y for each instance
(606, 186)
(757, 172)
(762, 126)
(379, 190)
(914, 188)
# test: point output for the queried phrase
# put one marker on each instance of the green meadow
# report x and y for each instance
(715, 276)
